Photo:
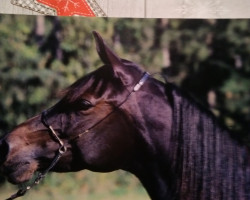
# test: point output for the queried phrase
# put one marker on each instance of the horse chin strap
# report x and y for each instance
(62, 148)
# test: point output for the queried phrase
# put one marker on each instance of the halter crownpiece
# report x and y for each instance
(62, 148)
(141, 82)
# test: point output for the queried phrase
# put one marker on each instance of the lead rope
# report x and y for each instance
(40, 176)
(62, 149)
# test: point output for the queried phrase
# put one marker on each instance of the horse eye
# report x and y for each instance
(85, 104)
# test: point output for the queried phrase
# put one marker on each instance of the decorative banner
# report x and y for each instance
(96, 8)
(132, 8)
(35, 6)
(87, 8)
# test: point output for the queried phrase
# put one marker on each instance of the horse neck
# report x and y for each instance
(206, 162)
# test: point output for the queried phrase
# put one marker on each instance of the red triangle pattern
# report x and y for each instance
(69, 7)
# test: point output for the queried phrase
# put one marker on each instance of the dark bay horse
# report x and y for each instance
(118, 117)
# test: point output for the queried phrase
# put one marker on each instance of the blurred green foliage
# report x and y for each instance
(84, 185)
(40, 55)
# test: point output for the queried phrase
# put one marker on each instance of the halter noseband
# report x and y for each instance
(62, 148)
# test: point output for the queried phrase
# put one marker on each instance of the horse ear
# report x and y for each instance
(109, 58)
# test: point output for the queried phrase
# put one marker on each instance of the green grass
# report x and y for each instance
(83, 185)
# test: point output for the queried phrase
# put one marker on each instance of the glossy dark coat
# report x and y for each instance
(174, 146)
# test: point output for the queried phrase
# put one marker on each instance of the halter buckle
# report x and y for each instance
(141, 82)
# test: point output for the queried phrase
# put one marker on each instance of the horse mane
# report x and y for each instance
(208, 162)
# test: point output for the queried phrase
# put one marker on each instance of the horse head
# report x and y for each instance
(96, 119)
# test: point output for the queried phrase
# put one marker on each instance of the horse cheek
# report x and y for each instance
(105, 150)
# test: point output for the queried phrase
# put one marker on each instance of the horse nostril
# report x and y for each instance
(4, 150)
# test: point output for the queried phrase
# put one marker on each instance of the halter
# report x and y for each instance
(62, 148)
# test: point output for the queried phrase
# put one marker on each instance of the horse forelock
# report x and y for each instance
(208, 163)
